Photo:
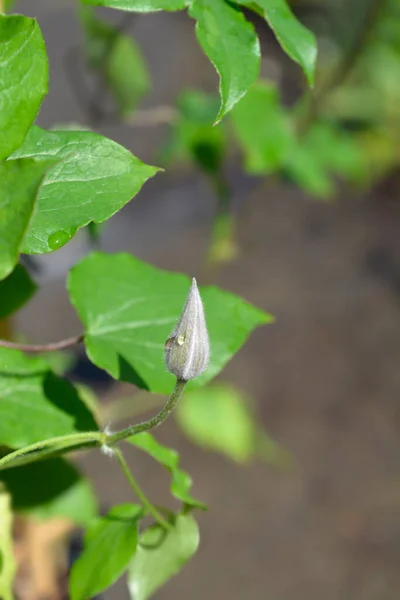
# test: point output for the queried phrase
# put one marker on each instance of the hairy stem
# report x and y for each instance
(155, 421)
(75, 441)
(32, 452)
(50, 347)
(138, 491)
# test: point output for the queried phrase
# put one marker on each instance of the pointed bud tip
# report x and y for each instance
(187, 350)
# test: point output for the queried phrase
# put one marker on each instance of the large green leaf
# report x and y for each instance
(52, 488)
(15, 291)
(160, 555)
(23, 79)
(219, 418)
(296, 40)
(263, 129)
(117, 58)
(232, 46)
(7, 560)
(35, 404)
(129, 309)
(181, 481)
(19, 184)
(110, 545)
(93, 180)
(141, 5)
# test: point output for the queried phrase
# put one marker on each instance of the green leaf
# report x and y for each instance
(35, 404)
(337, 150)
(52, 488)
(263, 129)
(129, 309)
(95, 178)
(160, 555)
(118, 59)
(23, 79)
(165, 456)
(8, 564)
(218, 418)
(193, 136)
(110, 544)
(181, 481)
(19, 184)
(127, 75)
(180, 486)
(296, 40)
(88, 396)
(232, 46)
(141, 5)
(304, 168)
(15, 291)
(325, 150)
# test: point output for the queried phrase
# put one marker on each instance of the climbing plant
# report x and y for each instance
(54, 182)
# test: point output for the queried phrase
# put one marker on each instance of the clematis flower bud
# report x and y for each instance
(187, 350)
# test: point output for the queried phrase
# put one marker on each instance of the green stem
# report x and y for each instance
(29, 454)
(164, 413)
(138, 491)
(73, 441)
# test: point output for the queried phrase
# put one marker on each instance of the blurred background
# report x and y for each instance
(314, 241)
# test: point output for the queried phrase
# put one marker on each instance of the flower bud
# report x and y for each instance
(187, 350)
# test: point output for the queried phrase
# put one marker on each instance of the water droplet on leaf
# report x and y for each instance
(58, 239)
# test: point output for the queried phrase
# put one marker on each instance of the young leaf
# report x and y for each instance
(181, 481)
(35, 404)
(167, 457)
(141, 5)
(110, 545)
(232, 46)
(117, 58)
(15, 291)
(19, 184)
(95, 178)
(263, 129)
(8, 565)
(296, 40)
(51, 488)
(23, 79)
(217, 418)
(160, 555)
(180, 486)
(129, 308)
